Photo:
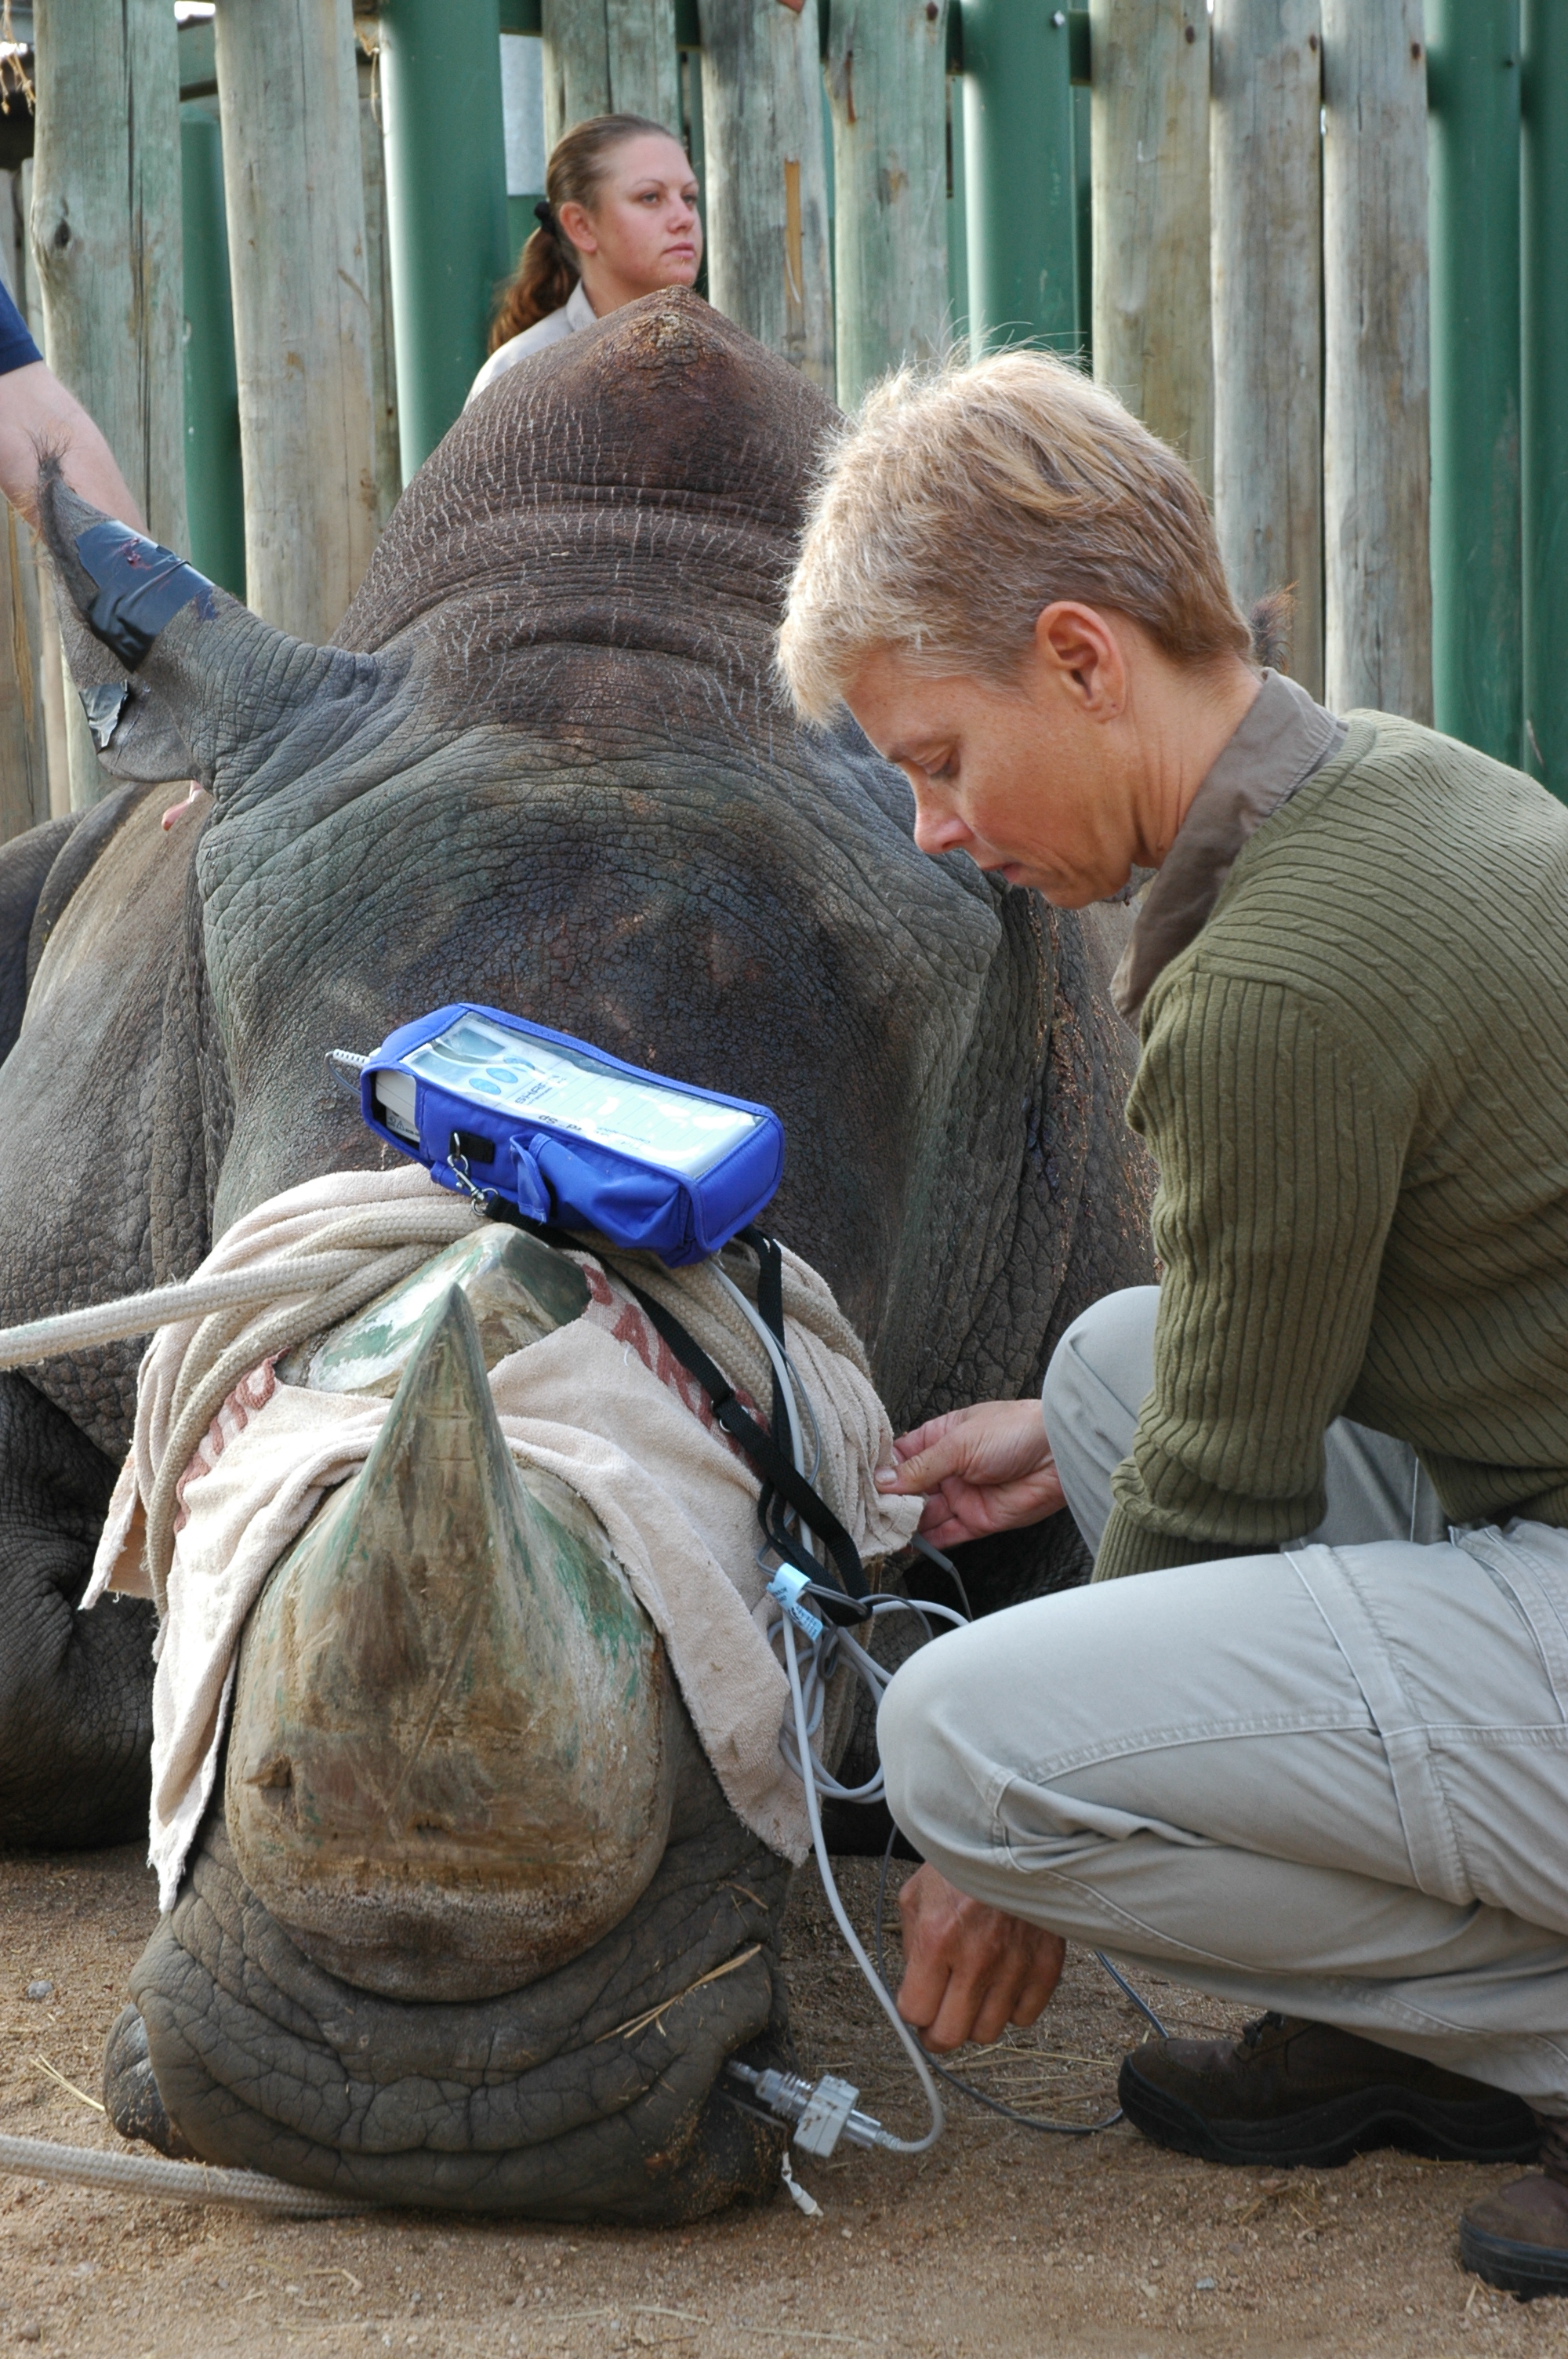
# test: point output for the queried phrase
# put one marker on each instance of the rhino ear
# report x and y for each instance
(178, 680)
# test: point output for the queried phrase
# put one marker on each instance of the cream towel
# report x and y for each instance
(600, 1404)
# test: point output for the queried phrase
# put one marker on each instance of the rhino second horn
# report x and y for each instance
(452, 1758)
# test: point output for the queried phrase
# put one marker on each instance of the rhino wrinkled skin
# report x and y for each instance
(546, 766)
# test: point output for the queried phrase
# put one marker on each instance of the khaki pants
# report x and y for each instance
(1333, 1781)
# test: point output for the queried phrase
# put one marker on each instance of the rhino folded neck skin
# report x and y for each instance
(450, 1768)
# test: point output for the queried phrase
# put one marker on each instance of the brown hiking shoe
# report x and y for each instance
(1293, 2092)
(1518, 2239)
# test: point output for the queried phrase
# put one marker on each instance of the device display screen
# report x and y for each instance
(519, 1075)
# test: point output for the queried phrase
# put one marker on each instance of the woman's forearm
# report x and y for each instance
(38, 415)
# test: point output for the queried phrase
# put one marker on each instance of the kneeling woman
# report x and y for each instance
(1303, 1741)
(619, 221)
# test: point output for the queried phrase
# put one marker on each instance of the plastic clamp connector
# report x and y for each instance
(788, 1588)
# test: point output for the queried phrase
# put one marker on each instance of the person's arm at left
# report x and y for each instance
(37, 413)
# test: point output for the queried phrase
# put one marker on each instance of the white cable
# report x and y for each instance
(814, 1819)
(781, 1369)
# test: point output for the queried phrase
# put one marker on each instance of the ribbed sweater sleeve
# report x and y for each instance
(1280, 1150)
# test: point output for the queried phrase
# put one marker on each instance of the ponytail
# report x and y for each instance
(541, 283)
(547, 267)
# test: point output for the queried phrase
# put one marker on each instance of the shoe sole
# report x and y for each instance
(1528, 2270)
(1325, 2135)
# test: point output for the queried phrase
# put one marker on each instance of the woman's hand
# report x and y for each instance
(969, 1969)
(979, 1470)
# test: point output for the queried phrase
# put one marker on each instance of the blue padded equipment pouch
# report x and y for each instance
(491, 1104)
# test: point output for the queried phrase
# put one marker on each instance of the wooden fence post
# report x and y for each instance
(293, 181)
(24, 751)
(52, 661)
(378, 279)
(605, 57)
(106, 236)
(1150, 102)
(887, 82)
(767, 177)
(1376, 466)
(1267, 293)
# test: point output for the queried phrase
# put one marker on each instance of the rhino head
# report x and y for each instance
(546, 767)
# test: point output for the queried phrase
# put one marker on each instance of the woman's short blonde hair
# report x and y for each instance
(957, 504)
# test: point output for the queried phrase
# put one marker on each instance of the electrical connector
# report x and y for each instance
(821, 2112)
(786, 1587)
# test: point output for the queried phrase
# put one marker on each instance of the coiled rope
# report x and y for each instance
(247, 1316)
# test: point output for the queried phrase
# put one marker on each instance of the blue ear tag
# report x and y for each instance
(140, 588)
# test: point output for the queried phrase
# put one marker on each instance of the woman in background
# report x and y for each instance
(620, 220)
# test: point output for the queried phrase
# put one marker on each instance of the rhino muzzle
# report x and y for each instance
(451, 1766)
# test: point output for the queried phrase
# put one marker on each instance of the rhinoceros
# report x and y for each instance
(546, 767)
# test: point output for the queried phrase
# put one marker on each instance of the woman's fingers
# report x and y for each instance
(969, 1970)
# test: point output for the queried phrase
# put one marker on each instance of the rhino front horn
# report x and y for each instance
(451, 1764)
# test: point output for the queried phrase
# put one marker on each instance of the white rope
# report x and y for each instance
(193, 1298)
(337, 1252)
(186, 2182)
(347, 1263)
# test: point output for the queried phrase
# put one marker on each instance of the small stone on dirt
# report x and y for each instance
(40, 1990)
(1204, 2285)
(29, 2331)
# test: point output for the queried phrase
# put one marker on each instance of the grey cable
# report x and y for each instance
(186, 2182)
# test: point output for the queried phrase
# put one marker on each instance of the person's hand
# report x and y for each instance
(969, 1970)
(979, 1470)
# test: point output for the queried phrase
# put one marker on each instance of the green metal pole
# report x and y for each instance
(215, 483)
(1476, 565)
(446, 199)
(958, 223)
(1545, 407)
(1018, 140)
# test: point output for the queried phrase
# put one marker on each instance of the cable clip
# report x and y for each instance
(457, 1165)
(786, 1588)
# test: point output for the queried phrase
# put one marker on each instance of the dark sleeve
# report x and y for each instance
(17, 347)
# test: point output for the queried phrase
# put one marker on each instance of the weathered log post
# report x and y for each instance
(767, 186)
(1150, 103)
(887, 77)
(610, 57)
(1018, 152)
(378, 281)
(1268, 307)
(1376, 468)
(292, 178)
(1545, 419)
(1477, 667)
(446, 204)
(23, 750)
(51, 660)
(106, 235)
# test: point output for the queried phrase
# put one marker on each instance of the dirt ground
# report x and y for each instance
(1001, 2241)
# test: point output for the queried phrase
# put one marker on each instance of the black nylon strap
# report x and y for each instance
(761, 1449)
(779, 1478)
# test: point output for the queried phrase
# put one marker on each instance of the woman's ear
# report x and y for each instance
(1080, 646)
(577, 226)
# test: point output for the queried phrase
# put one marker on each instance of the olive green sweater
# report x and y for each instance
(1354, 1080)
